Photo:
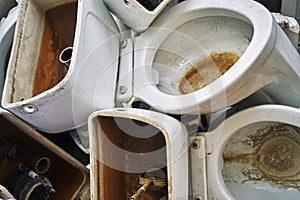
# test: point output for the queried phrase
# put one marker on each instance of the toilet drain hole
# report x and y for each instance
(279, 157)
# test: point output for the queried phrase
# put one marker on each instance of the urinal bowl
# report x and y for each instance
(255, 155)
(202, 56)
(127, 144)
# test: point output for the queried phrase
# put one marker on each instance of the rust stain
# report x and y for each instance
(242, 158)
(276, 157)
(206, 71)
(58, 33)
(117, 184)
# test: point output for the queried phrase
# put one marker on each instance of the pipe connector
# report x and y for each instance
(65, 56)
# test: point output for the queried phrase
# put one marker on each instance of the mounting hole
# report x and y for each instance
(196, 144)
(29, 109)
(123, 43)
(198, 197)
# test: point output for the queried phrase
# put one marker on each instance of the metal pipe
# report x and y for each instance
(35, 176)
(141, 190)
(65, 56)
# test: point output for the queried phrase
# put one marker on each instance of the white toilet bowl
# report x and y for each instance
(192, 32)
(150, 66)
(127, 142)
(254, 154)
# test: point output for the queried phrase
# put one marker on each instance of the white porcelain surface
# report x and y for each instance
(176, 148)
(134, 14)
(233, 172)
(90, 82)
(194, 29)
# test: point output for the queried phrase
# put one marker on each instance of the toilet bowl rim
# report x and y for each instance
(260, 45)
(263, 113)
(250, 11)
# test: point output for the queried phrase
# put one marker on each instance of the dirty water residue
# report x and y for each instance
(206, 71)
(275, 158)
(279, 157)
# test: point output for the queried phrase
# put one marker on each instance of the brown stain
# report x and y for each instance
(276, 157)
(241, 158)
(58, 33)
(206, 71)
(279, 157)
(119, 184)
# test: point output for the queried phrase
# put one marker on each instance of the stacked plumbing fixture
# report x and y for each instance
(169, 99)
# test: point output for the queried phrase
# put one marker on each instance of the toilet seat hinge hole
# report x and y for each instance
(196, 144)
(29, 109)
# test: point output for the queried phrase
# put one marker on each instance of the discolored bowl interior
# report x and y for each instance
(262, 161)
